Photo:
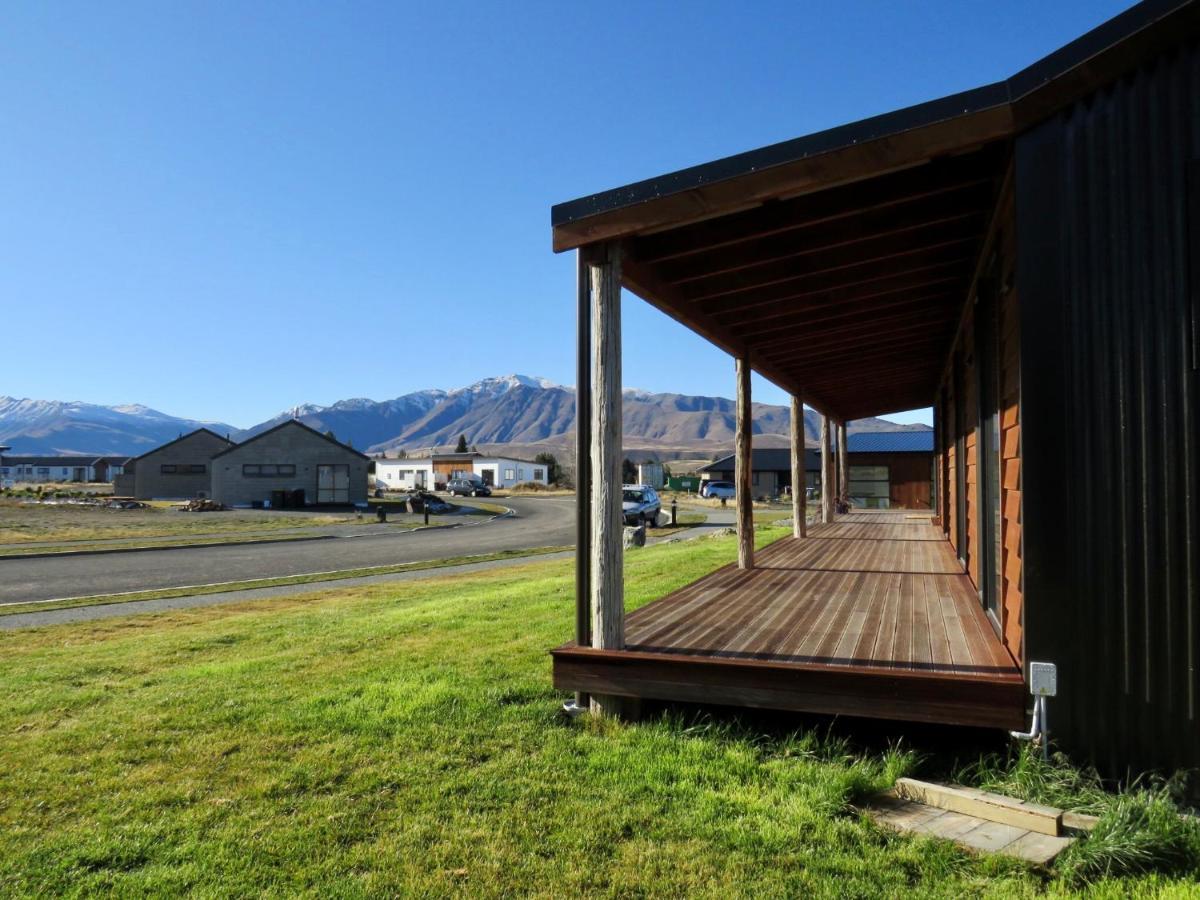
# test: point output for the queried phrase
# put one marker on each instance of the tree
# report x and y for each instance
(329, 434)
(461, 447)
(628, 471)
(402, 454)
(553, 470)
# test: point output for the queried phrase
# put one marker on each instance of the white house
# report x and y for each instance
(505, 471)
(402, 474)
(433, 473)
(43, 469)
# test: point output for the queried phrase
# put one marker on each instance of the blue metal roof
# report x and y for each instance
(891, 442)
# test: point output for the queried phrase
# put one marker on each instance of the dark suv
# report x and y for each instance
(463, 487)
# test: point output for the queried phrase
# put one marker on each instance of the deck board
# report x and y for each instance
(875, 592)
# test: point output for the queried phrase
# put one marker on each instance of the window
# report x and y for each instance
(333, 483)
(521, 473)
(869, 486)
(268, 470)
(43, 470)
(539, 474)
(183, 469)
(509, 475)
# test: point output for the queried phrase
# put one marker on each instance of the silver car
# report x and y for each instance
(640, 504)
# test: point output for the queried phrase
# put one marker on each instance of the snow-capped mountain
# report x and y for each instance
(51, 427)
(509, 409)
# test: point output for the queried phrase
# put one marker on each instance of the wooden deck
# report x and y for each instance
(870, 616)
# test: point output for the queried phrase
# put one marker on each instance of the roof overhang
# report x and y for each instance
(838, 263)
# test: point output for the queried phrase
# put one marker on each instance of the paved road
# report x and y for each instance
(540, 522)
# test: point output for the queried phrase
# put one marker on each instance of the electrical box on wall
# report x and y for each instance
(1043, 679)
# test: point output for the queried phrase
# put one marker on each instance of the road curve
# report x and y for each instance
(539, 522)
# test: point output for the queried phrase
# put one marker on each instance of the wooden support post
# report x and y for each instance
(607, 554)
(799, 478)
(583, 460)
(843, 450)
(827, 485)
(742, 463)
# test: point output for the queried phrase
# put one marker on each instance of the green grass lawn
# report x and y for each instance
(405, 740)
(25, 522)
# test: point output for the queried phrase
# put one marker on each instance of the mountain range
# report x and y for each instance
(513, 411)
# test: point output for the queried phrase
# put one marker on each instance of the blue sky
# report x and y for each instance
(225, 209)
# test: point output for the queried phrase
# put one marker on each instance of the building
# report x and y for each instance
(178, 470)
(289, 465)
(433, 473)
(73, 468)
(770, 471)
(1022, 258)
(890, 469)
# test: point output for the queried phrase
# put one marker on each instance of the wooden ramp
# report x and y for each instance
(869, 616)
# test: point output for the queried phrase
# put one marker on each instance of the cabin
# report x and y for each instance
(1024, 259)
(290, 465)
(770, 471)
(177, 470)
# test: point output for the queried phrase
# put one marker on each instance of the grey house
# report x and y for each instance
(179, 470)
(289, 465)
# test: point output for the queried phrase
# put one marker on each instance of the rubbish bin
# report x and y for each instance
(381, 513)
(278, 499)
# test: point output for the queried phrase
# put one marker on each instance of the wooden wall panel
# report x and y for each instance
(1013, 600)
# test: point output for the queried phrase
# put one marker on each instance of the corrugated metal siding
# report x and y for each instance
(1111, 416)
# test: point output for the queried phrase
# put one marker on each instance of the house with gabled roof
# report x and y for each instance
(290, 465)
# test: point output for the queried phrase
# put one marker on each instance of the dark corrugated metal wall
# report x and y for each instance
(1111, 416)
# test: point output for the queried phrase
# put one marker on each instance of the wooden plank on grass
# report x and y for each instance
(993, 807)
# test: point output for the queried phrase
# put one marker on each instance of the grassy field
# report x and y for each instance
(23, 522)
(405, 740)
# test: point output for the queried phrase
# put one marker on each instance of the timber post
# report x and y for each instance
(606, 553)
(743, 451)
(828, 488)
(843, 448)
(799, 483)
(583, 460)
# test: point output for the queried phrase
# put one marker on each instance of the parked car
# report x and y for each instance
(464, 487)
(718, 490)
(640, 504)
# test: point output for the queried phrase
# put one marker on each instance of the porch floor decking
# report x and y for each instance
(871, 615)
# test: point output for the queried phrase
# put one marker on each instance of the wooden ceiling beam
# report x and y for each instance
(837, 302)
(846, 232)
(864, 274)
(861, 317)
(782, 216)
(916, 242)
(815, 345)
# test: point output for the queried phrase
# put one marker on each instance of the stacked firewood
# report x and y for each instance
(202, 505)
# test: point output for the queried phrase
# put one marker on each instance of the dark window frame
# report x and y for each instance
(268, 470)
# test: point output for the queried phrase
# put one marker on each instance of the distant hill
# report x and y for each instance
(514, 411)
(525, 411)
(52, 427)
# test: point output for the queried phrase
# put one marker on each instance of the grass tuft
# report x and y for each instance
(1141, 829)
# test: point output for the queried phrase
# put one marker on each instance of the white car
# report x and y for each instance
(718, 490)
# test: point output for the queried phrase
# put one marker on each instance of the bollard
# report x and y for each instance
(381, 514)
(426, 512)
(674, 513)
